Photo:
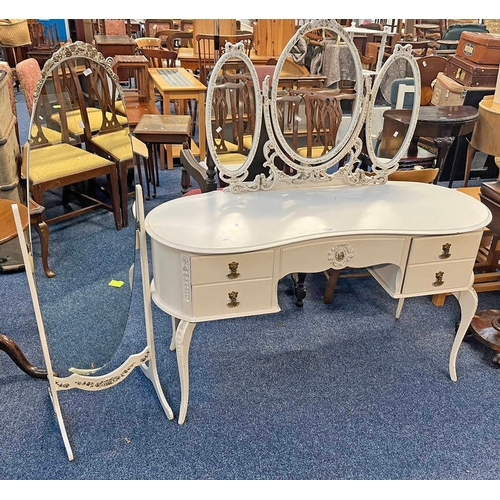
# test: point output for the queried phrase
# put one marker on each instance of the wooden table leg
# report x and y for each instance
(12, 349)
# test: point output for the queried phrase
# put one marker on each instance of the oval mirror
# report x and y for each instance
(316, 93)
(82, 252)
(233, 113)
(393, 111)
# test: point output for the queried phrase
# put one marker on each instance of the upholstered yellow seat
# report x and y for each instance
(75, 122)
(117, 144)
(61, 160)
(316, 151)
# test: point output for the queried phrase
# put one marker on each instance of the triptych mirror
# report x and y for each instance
(321, 127)
(267, 127)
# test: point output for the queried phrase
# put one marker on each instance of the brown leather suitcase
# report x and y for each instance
(481, 48)
(470, 73)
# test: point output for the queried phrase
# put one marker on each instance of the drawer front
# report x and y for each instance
(338, 253)
(231, 268)
(438, 276)
(232, 299)
(445, 248)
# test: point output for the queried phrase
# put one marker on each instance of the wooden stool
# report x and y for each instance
(138, 66)
(156, 130)
(8, 232)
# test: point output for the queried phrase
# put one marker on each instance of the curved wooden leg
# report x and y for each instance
(43, 231)
(468, 304)
(12, 349)
(182, 341)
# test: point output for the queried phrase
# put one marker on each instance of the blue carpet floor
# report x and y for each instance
(324, 392)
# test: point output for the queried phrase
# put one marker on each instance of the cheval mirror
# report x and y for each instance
(82, 250)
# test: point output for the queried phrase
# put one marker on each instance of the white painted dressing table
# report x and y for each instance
(221, 254)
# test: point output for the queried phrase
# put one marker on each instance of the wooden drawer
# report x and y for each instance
(444, 248)
(349, 251)
(252, 296)
(420, 278)
(216, 269)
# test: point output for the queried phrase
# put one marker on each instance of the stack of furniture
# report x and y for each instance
(469, 75)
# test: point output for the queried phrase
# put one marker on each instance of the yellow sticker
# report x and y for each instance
(116, 283)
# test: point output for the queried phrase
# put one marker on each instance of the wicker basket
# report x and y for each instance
(14, 32)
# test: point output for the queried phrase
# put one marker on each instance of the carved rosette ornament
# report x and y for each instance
(340, 255)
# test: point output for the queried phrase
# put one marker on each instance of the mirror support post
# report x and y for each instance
(28, 264)
(149, 367)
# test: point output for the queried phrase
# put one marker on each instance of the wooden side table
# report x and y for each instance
(156, 130)
(136, 65)
(442, 123)
(8, 232)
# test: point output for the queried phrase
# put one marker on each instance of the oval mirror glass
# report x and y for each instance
(393, 111)
(316, 94)
(82, 252)
(234, 112)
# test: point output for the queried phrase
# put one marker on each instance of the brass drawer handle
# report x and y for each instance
(233, 270)
(439, 279)
(446, 251)
(233, 299)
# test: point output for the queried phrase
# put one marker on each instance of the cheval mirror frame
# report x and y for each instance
(347, 149)
(146, 359)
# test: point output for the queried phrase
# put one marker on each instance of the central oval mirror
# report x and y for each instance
(316, 93)
(78, 165)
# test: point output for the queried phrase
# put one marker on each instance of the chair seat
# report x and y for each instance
(232, 158)
(117, 144)
(316, 151)
(247, 141)
(61, 160)
(75, 122)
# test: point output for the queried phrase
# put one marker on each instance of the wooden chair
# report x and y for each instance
(198, 172)
(323, 118)
(227, 124)
(152, 26)
(186, 25)
(148, 42)
(29, 72)
(178, 39)
(164, 34)
(63, 164)
(67, 82)
(159, 58)
(115, 27)
(211, 47)
(429, 67)
(112, 141)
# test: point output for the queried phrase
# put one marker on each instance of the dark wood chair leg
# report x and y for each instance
(331, 285)
(300, 289)
(14, 352)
